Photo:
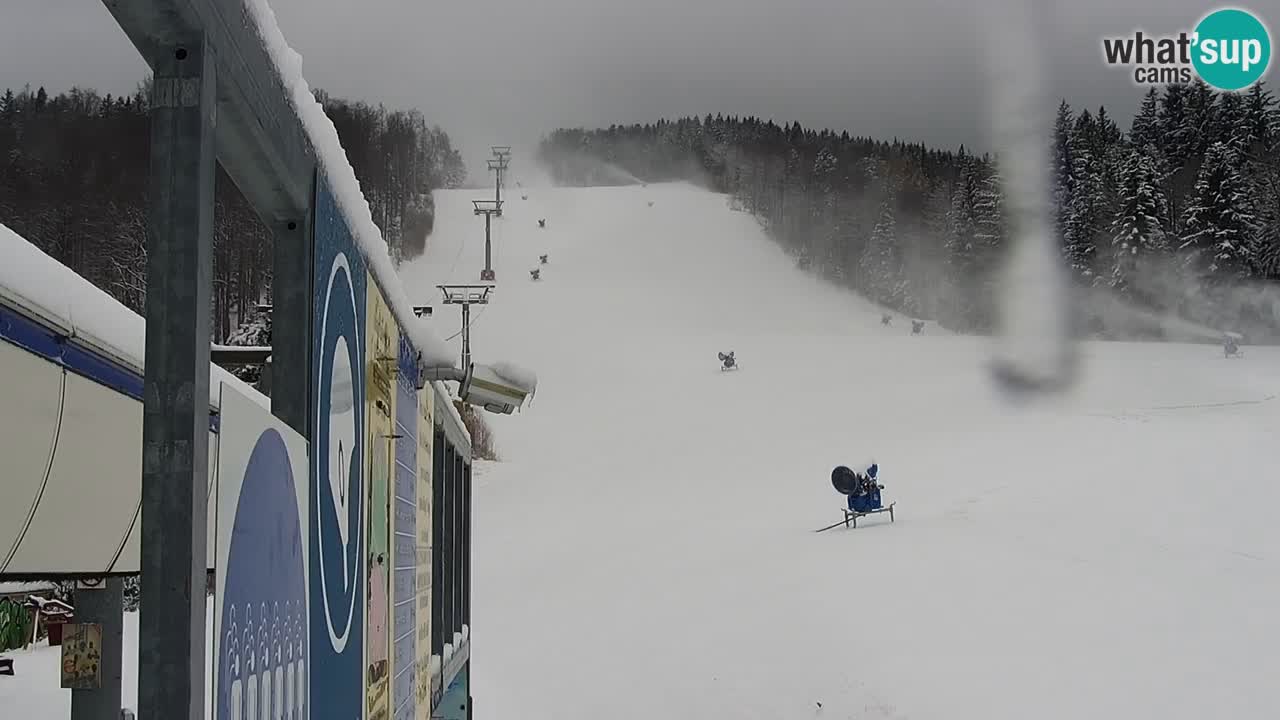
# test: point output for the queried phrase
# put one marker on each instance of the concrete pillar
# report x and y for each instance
(103, 605)
(175, 424)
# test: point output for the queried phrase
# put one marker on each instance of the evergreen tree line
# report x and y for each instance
(1178, 217)
(73, 181)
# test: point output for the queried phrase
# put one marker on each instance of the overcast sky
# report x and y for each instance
(505, 71)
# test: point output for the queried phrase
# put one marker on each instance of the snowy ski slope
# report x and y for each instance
(646, 548)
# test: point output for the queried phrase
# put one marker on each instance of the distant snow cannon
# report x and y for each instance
(535, 274)
(1231, 344)
(500, 388)
(650, 203)
(542, 259)
(542, 223)
(917, 326)
(886, 319)
(727, 361)
(524, 197)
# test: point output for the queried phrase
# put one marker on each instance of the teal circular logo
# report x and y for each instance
(1232, 49)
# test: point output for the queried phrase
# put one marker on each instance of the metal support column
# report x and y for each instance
(103, 605)
(488, 248)
(291, 324)
(466, 337)
(175, 423)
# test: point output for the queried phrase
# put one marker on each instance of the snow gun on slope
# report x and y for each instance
(862, 492)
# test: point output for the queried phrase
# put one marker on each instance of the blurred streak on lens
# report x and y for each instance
(1033, 352)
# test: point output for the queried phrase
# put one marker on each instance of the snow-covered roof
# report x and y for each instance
(49, 292)
(25, 588)
(342, 177)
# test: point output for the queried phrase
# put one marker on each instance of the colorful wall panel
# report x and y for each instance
(336, 488)
(380, 368)
(425, 436)
(404, 538)
(261, 667)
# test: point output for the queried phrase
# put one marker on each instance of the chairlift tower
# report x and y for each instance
(488, 208)
(497, 167)
(499, 164)
(466, 296)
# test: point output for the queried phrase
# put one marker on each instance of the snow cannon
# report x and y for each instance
(917, 326)
(542, 259)
(886, 319)
(542, 223)
(862, 495)
(728, 362)
(535, 274)
(524, 197)
(1231, 344)
(650, 203)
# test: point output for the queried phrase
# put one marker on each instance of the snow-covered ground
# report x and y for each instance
(34, 691)
(646, 547)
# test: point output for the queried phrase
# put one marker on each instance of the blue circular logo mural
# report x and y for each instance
(263, 656)
(337, 453)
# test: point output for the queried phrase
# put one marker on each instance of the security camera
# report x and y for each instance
(487, 388)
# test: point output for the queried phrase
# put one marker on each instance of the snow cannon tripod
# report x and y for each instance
(863, 495)
(727, 361)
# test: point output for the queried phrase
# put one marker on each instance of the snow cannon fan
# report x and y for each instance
(844, 480)
(728, 362)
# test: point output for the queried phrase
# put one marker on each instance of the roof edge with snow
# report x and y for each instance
(342, 177)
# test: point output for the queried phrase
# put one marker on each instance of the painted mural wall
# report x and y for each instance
(261, 667)
(425, 437)
(404, 537)
(380, 367)
(336, 491)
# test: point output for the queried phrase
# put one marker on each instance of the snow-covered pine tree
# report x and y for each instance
(1145, 129)
(1138, 230)
(1062, 167)
(1085, 215)
(963, 264)
(963, 224)
(988, 242)
(1221, 224)
(822, 226)
(1230, 123)
(882, 259)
